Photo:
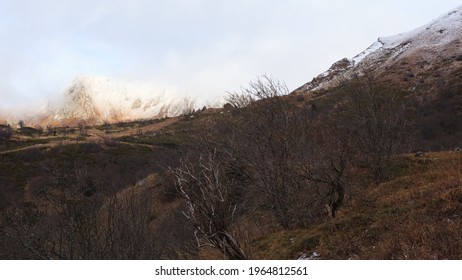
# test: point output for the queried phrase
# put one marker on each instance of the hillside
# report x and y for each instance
(363, 162)
(102, 171)
(417, 214)
(414, 214)
(424, 65)
(409, 58)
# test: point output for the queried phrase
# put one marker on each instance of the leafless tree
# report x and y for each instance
(376, 118)
(238, 100)
(329, 163)
(299, 160)
(71, 218)
(212, 203)
(285, 162)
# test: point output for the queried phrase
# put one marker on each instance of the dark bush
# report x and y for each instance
(110, 142)
(31, 155)
(90, 147)
(30, 131)
(5, 133)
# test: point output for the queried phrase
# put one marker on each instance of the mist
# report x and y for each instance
(201, 50)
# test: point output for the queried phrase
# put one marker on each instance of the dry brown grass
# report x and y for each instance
(415, 215)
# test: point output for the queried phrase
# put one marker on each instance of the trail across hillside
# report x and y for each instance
(98, 136)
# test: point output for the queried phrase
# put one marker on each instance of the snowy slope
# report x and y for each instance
(102, 99)
(436, 41)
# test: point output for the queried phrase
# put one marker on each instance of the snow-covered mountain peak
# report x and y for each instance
(104, 99)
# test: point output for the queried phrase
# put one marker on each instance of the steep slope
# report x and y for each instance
(424, 64)
(414, 215)
(403, 57)
(96, 100)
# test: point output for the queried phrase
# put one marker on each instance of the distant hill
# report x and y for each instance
(94, 100)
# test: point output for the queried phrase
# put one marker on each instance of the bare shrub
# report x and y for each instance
(71, 217)
(211, 204)
(375, 116)
(286, 163)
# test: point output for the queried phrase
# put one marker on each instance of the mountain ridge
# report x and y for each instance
(430, 44)
(97, 100)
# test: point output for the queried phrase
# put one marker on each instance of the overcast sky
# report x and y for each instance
(200, 48)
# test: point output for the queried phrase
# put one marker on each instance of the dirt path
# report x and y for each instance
(99, 136)
(25, 148)
(134, 131)
(50, 144)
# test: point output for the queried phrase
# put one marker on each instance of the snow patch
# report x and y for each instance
(314, 256)
(374, 47)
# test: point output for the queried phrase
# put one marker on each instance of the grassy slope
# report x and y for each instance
(22, 157)
(415, 215)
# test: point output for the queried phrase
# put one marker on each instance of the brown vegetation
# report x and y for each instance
(270, 175)
(414, 215)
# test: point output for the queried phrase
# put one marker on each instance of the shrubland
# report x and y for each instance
(269, 176)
